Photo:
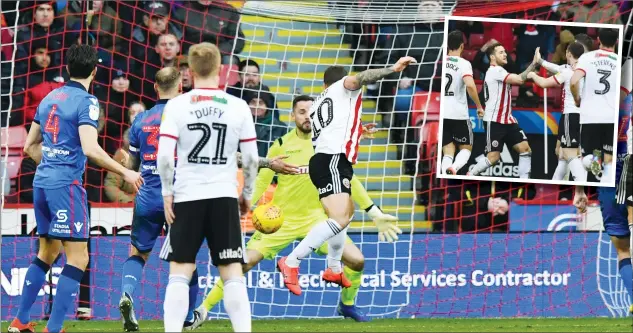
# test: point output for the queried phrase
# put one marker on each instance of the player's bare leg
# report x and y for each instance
(525, 159)
(68, 284)
(126, 304)
(461, 159)
(491, 159)
(337, 208)
(35, 278)
(448, 156)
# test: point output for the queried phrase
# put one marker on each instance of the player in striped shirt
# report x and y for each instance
(501, 127)
(456, 126)
(568, 143)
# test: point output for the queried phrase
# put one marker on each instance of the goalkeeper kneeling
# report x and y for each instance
(299, 200)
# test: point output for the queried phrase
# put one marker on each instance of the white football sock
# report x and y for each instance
(606, 173)
(335, 248)
(237, 304)
(586, 162)
(313, 240)
(176, 303)
(446, 163)
(525, 165)
(561, 170)
(481, 166)
(577, 169)
(461, 159)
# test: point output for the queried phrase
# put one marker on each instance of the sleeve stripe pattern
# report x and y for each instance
(465, 75)
(580, 69)
(169, 136)
(625, 90)
(248, 140)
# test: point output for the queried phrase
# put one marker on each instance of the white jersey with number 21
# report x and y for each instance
(208, 125)
(335, 117)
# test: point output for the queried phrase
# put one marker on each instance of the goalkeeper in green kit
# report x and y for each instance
(299, 200)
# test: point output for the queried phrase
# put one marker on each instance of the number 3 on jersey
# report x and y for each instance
(194, 155)
(325, 109)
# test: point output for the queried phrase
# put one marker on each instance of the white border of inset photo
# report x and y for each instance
(519, 180)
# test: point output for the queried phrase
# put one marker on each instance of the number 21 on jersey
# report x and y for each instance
(323, 114)
(194, 155)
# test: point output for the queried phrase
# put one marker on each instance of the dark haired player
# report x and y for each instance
(568, 143)
(457, 130)
(336, 132)
(63, 134)
(501, 127)
(600, 94)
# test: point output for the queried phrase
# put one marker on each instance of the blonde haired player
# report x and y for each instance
(336, 130)
(299, 201)
(206, 126)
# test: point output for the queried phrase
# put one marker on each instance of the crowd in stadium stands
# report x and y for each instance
(137, 38)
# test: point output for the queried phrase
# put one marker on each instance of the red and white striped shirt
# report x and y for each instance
(335, 117)
(498, 96)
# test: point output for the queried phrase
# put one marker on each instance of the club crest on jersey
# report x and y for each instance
(495, 143)
(93, 112)
(346, 182)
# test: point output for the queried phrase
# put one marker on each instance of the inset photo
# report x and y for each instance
(530, 101)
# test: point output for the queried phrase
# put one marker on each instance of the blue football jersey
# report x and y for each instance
(144, 145)
(59, 115)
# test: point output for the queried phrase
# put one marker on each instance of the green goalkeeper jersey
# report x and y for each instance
(295, 194)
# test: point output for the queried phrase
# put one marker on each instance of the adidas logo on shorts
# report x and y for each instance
(231, 254)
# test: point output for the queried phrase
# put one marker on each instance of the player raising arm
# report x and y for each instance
(206, 126)
(456, 128)
(336, 129)
(301, 215)
(597, 102)
(568, 141)
(69, 116)
(501, 127)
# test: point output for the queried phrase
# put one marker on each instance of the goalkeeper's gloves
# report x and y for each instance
(387, 229)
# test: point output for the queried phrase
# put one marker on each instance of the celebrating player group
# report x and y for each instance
(586, 127)
(204, 127)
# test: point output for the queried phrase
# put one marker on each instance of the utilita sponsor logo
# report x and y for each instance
(231, 254)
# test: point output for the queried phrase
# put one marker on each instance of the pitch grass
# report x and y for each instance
(383, 325)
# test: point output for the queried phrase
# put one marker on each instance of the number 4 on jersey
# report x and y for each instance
(52, 123)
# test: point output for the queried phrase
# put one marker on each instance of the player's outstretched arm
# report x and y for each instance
(33, 144)
(542, 82)
(90, 146)
(265, 175)
(519, 79)
(550, 67)
(276, 164)
(369, 76)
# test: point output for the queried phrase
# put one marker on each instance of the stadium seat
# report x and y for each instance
(13, 137)
(419, 107)
(13, 166)
(469, 55)
(476, 41)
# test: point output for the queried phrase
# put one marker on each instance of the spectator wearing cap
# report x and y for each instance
(267, 127)
(114, 99)
(41, 80)
(215, 22)
(167, 50)
(185, 74)
(156, 22)
(45, 30)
